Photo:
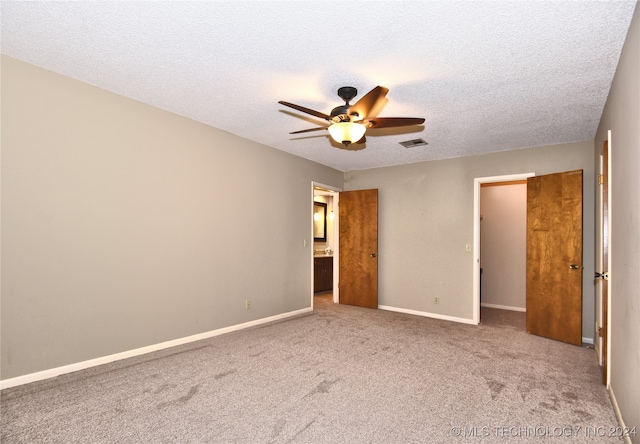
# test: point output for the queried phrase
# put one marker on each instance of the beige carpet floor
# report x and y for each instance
(340, 374)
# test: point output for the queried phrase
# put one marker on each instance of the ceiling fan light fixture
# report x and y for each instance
(348, 123)
(347, 132)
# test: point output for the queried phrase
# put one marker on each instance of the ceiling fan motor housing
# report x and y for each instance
(340, 113)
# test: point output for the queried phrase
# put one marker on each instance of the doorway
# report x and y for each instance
(503, 243)
(346, 247)
(553, 253)
(478, 182)
(324, 251)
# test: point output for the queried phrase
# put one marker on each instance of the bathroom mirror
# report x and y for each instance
(319, 221)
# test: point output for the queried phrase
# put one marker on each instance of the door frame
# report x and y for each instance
(609, 256)
(336, 226)
(598, 263)
(601, 309)
(477, 182)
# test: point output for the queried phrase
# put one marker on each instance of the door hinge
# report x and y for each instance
(599, 332)
(600, 179)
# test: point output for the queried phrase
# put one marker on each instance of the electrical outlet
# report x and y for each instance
(436, 300)
(247, 304)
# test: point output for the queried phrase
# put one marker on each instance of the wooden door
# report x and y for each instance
(554, 256)
(603, 275)
(358, 250)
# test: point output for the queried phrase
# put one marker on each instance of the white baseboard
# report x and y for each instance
(53, 372)
(616, 409)
(427, 314)
(455, 319)
(503, 307)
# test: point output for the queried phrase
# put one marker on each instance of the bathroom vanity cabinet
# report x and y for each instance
(322, 273)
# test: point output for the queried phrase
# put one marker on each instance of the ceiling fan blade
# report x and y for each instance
(306, 110)
(368, 102)
(309, 130)
(390, 122)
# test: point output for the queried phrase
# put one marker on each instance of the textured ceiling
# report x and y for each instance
(486, 75)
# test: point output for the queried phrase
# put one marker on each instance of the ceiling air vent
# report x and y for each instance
(413, 143)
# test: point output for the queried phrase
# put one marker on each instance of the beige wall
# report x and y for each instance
(124, 225)
(426, 220)
(503, 245)
(621, 115)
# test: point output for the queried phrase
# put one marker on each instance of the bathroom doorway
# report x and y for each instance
(324, 241)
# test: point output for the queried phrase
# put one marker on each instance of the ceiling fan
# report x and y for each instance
(348, 123)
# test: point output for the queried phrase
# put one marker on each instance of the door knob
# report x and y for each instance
(574, 266)
(373, 255)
